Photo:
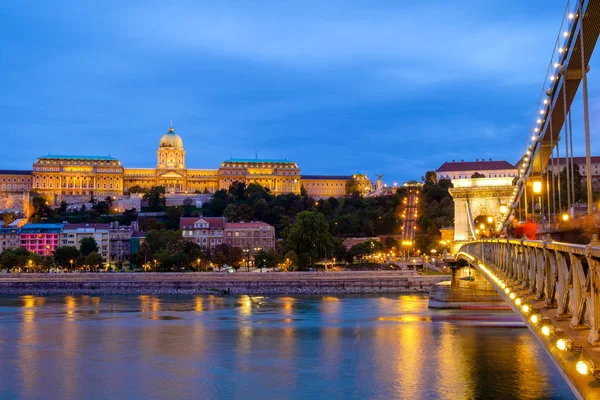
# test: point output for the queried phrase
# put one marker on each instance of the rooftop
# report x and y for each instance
(252, 224)
(15, 172)
(477, 165)
(80, 226)
(332, 177)
(71, 157)
(258, 160)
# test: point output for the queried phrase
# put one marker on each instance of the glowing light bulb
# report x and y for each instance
(518, 301)
(584, 367)
(565, 34)
(556, 64)
(507, 290)
(545, 101)
(561, 50)
(546, 330)
(542, 112)
(539, 121)
(525, 308)
(512, 296)
(571, 15)
(552, 78)
(534, 319)
(561, 344)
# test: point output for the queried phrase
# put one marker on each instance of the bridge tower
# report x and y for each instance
(477, 197)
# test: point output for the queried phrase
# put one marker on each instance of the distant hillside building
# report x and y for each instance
(466, 169)
(56, 177)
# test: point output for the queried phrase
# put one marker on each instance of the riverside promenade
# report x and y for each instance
(219, 283)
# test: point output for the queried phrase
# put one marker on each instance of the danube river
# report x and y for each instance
(253, 347)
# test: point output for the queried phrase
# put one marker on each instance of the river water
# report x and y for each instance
(253, 347)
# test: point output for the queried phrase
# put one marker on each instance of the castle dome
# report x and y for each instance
(171, 139)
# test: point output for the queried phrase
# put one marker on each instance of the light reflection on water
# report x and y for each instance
(215, 347)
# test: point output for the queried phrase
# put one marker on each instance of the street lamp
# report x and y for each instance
(71, 261)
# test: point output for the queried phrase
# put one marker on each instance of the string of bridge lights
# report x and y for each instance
(543, 108)
(555, 336)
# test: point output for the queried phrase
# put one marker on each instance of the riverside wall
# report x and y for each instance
(218, 283)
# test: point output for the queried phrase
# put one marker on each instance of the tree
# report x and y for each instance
(235, 257)
(101, 207)
(290, 259)
(188, 205)
(87, 245)
(93, 260)
(261, 259)
(237, 190)
(309, 234)
(390, 243)
(8, 218)
(65, 254)
(477, 175)
(150, 224)
(137, 189)
(156, 198)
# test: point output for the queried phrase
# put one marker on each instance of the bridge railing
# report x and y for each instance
(565, 276)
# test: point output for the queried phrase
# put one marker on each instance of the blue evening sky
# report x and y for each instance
(388, 87)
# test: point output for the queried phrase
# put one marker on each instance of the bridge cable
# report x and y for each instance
(550, 175)
(566, 129)
(572, 163)
(586, 118)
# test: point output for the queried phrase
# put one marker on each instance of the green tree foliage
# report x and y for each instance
(88, 245)
(20, 258)
(351, 216)
(156, 198)
(150, 224)
(93, 260)
(235, 257)
(436, 210)
(266, 259)
(390, 243)
(101, 207)
(365, 248)
(137, 189)
(8, 218)
(309, 235)
(188, 206)
(64, 254)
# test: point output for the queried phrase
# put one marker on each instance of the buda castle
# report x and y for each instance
(58, 176)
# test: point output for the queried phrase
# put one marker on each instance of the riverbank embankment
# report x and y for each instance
(219, 283)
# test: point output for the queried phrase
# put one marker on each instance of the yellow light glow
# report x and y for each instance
(503, 285)
(490, 220)
(507, 290)
(503, 209)
(571, 15)
(525, 308)
(584, 367)
(546, 330)
(482, 226)
(561, 344)
(535, 319)
(512, 296)
(565, 217)
(518, 301)
(537, 187)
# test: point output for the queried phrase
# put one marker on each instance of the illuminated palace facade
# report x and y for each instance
(55, 176)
